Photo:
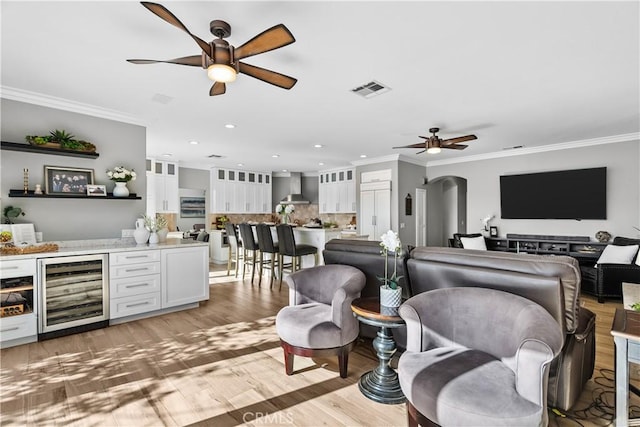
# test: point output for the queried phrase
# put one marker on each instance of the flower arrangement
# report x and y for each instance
(285, 209)
(154, 224)
(121, 174)
(390, 242)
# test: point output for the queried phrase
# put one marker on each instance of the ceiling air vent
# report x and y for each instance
(370, 89)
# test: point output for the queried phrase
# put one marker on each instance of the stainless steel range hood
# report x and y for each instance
(295, 191)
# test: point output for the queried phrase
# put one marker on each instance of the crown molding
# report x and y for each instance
(389, 158)
(29, 97)
(540, 149)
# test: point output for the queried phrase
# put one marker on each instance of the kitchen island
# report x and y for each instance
(93, 283)
(316, 237)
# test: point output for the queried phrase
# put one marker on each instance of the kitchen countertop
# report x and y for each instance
(85, 247)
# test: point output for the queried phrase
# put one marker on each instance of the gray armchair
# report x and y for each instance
(477, 357)
(318, 321)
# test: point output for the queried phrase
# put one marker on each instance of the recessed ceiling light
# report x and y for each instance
(317, 146)
(321, 164)
(167, 155)
(230, 126)
(240, 164)
(362, 156)
(275, 156)
(284, 170)
(193, 142)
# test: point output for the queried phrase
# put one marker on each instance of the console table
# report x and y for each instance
(626, 334)
(583, 251)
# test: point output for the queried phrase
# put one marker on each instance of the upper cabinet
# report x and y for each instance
(238, 191)
(162, 186)
(337, 191)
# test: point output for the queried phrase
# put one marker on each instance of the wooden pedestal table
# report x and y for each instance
(380, 385)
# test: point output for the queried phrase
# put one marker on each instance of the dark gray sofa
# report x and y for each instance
(553, 282)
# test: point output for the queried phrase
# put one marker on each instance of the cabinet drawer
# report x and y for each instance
(137, 304)
(137, 257)
(129, 286)
(20, 326)
(133, 270)
(17, 268)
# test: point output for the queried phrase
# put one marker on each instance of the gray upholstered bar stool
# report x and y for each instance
(249, 249)
(287, 247)
(266, 245)
(235, 245)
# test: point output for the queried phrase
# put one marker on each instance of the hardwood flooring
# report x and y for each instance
(217, 365)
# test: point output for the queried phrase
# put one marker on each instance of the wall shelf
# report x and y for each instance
(30, 194)
(28, 148)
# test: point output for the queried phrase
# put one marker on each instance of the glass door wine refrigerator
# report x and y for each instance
(74, 294)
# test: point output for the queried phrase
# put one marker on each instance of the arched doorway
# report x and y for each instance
(446, 209)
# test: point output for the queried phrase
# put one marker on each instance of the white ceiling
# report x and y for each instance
(513, 73)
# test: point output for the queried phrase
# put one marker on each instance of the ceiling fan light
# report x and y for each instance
(221, 73)
(433, 150)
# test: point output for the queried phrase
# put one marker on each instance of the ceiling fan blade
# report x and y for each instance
(455, 146)
(273, 38)
(268, 76)
(163, 13)
(193, 61)
(218, 88)
(420, 152)
(418, 145)
(459, 139)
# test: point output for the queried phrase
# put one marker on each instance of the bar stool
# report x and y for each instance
(266, 245)
(249, 249)
(287, 247)
(234, 247)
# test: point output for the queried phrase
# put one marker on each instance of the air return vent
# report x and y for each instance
(371, 89)
(214, 156)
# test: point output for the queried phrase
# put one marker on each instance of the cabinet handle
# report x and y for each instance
(138, 304)
(136, 269)
(136, 256)
(13, 267)
(137, 286)
(15, 328)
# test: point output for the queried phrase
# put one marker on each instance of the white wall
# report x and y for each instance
(623, 188)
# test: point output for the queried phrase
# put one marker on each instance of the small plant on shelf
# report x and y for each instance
(61, 139)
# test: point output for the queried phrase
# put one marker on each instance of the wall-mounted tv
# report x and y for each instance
(566, 194)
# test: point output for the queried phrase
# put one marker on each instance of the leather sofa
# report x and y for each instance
(551, 281)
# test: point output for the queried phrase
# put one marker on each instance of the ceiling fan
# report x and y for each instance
(434, 144)
(222, 60)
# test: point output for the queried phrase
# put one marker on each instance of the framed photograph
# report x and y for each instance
(493, 231)
(62, 180)
(96, 190)
(192, 207)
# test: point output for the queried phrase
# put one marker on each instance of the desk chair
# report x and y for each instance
(266, 246)
(235, 245)
(249, 249)
(287, 247)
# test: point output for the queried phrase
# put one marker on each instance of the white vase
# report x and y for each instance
(141, 234)
(121, 190)
(153, 238)
(162, 235)
(390, 297)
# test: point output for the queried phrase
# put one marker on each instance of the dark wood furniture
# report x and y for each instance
(583, 250)
(381, 384)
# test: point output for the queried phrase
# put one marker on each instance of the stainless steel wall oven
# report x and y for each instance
(74, 294)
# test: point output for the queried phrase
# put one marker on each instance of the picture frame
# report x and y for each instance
(96, 190)
(493, 231)
(67, 181)
(192, 207)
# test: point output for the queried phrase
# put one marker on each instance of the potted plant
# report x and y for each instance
(121, 175)
(11, 213)
(390, 291)
(61, 139)
(285, 211)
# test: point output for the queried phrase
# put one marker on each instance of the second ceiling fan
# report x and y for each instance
(222, 60)
(433, 144)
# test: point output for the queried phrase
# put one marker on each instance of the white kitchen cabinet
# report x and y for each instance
(237, 191)
(375, 209)
(164, 184)
(185, 275)
(134, 283)
(19, 321)
(337, 191)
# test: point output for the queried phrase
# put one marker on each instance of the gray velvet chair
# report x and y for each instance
(318, 321)
(477, 357)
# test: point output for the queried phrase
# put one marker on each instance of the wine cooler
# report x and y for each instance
(74, 294)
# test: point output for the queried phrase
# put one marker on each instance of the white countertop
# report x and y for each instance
(84, 247)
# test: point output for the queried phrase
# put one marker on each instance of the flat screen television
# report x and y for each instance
(566, 194)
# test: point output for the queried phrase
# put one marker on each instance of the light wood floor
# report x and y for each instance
(217, 365)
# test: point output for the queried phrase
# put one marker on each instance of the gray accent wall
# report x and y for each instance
(623, 188)
(72, 219)
(410, 177)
